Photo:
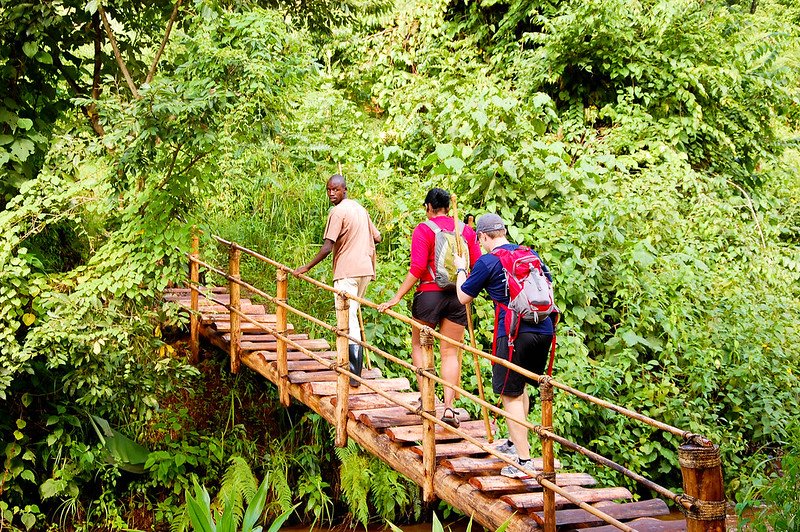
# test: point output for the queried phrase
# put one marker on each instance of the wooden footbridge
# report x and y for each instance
(458, 465)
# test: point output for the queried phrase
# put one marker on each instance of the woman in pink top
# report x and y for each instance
(432, 305)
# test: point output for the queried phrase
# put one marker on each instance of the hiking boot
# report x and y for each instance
(356, 355)
(512, 472)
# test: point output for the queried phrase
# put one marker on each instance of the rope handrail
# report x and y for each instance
(682, 500)
(686, 436)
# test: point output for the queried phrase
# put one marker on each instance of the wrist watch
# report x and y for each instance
(459, 270)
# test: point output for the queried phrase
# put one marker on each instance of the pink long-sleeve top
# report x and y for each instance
(423, 243)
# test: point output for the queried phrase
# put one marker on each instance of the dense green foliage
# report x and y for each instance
(647, 149)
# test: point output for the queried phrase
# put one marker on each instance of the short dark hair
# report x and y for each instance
(468, 216)
(497, 233)
(437, 198)
(337, 178)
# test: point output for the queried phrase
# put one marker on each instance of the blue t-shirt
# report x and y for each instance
(487, 274)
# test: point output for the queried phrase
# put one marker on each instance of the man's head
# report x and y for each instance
(490, 227)
(437, 199)
(337, 189)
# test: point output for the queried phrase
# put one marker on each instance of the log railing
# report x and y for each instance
(702, 502)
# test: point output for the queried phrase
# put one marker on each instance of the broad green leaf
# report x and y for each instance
(480, 117)
(52, 487)
(200, 516)
(29, 520)
(643, 257)
(22, 148)
(510, 168)
(30, 48)
(443, 151)
(278, 523)
(44, 57)
(28, 319)
(454, 163)
(123, 452)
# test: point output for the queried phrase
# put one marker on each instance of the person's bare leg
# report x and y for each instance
(517, 433)
(451, 372)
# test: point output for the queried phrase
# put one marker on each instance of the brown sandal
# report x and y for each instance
(452, 419)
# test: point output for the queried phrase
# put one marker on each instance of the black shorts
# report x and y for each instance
(531, 351)
(433, 307)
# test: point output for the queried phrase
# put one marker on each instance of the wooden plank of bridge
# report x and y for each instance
(646, 524)
(467, 465)
(579, 518)
(311, 344)
(254, 312)
(535, 501)
(399, 416)
(452, 450)
(272, 356)
(258, 336)
(306, 365)
(258, 313)
(329, 388)
(297, 377)
(500, 485)
(184, 294)
(375, 401)
(214, 314)
(413, 434)
(246, 326)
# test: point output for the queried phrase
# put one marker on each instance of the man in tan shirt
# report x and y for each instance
(352, 236)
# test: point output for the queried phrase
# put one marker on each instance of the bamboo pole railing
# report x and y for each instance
(702, 502)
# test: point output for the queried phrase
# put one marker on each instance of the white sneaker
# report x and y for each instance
(512, 472)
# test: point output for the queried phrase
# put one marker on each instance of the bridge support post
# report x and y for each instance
(235, 305)
(194, 319)
(428, 399)
(342, 359)
(546, 393)
(281, 327)
(701, 467)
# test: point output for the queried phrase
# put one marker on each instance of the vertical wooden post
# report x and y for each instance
(194, 280)
(549, 472)
(701, 467)
(281, 292)
(235, 305)
(428, 398)
(342, 359)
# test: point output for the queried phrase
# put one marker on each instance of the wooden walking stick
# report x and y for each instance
(470, 327)
(364, 338)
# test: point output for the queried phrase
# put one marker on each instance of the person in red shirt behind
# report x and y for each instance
(433, 305)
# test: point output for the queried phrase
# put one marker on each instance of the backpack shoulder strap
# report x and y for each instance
(505, 258)
(433, 227)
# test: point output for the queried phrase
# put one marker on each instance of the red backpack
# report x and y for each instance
(530, 294)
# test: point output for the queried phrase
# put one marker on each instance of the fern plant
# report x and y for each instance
(370, 487)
